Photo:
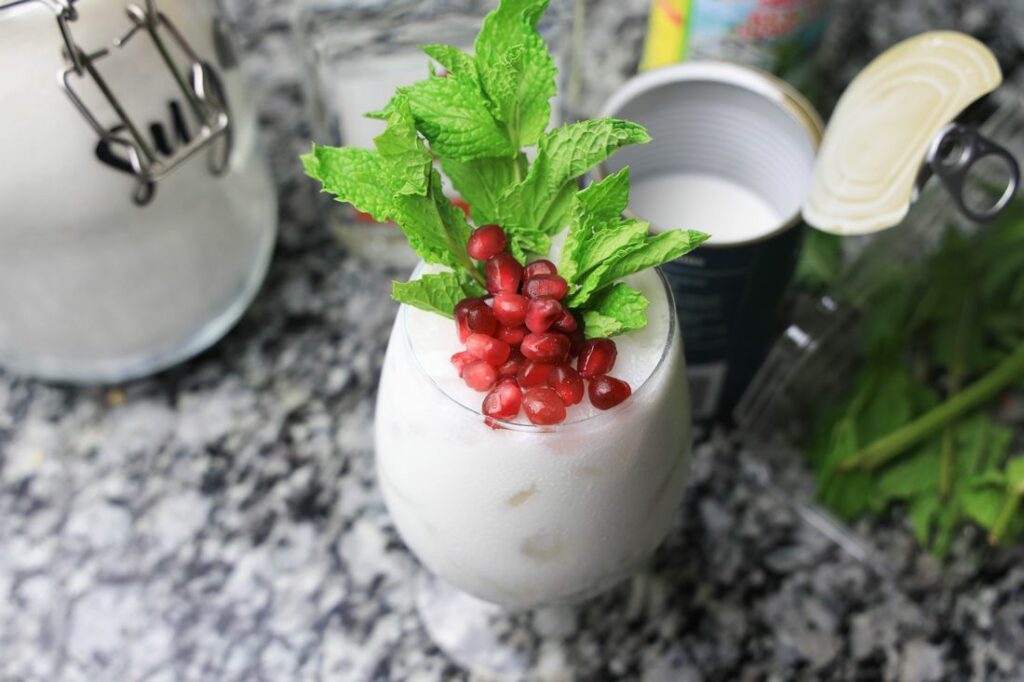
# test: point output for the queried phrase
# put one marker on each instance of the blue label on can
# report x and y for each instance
(729, 300)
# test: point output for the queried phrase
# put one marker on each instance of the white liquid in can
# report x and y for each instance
(728, 211)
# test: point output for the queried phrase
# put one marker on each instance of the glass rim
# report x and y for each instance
(548, 428)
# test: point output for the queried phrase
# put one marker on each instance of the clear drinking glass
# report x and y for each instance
(517, 518)
(357, 52)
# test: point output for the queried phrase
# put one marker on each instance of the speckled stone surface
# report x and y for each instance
(221, 521)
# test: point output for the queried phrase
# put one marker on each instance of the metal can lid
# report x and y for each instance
(885, 126)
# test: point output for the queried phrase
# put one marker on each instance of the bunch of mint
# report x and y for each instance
(942, 341)
(475, 119)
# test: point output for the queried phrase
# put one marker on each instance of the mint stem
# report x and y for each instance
(897, 442)
(1006, 514)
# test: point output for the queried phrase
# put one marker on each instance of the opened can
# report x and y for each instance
(733, 155)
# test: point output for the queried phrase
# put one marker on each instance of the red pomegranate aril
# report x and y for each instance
(596, 357)
(462, 310)
(479, 375)
(549, 348)
(543, 406)
(504, 273)
(567, 383)
(539, 267)
(485, 242)
(566, 324)
(606, 392)
(511, 367)
(510, 309)
(533, 374)
(504, 400)
(487, 348)
(481, 320)
(461, 359)
(513, 336)
(546, 286)
(541, 313)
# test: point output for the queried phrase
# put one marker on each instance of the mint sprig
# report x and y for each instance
(474, 120)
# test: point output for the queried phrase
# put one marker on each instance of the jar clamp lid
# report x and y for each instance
(892, 130)
(201, 89)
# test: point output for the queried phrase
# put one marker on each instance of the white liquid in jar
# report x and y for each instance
(728, 211)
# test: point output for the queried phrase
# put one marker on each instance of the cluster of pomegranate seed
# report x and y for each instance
(520, 340)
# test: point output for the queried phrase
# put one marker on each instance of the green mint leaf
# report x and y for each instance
(516, 71)
(593, 209)
(660, 248)
(455, 116)
(402, 151)
(481, 183)
(613, 243)
(982, 504)
(1015, 474)
(607, 198)
(352, 175)
(437, 293)
(820, 260)
(542, 201)
(436, 230)
(914, 475)
(454, 60)
(617, 310)
(523, 242)
(654, 251)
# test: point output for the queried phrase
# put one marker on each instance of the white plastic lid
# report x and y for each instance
(885, 122)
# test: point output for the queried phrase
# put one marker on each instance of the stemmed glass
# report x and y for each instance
(511, 520)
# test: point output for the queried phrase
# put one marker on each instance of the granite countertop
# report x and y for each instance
(221, 521)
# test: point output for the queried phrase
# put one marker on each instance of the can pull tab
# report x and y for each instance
(198, 83)
(952, 155)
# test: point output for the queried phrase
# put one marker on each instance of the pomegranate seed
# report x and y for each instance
(481, 320)
(539, 267)
(513, 336)
(487, 348)
(550, 348)
(606, 392)
(567, 384)
(510, 309)
(479, 375)
(546, 286)
(566, 324)
(576, 341)
(485, 242)
(511, 367)
(541, 313)
(462, 310)
(461, 359)
(534, 374)
(504, 400)
(543, 406)
(503, 274)
(596, 357)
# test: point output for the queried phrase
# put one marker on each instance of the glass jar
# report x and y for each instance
(137, 214)
(357, 52)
